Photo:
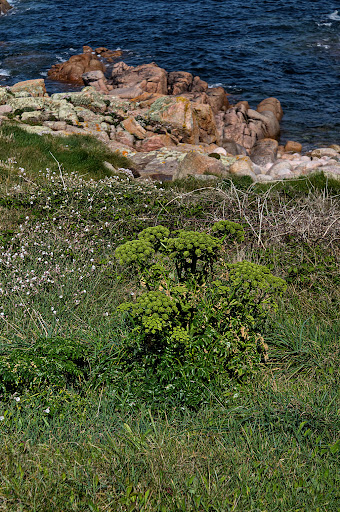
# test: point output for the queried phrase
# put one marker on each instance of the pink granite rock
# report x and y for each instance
(272, 105)
(197, 164)
(146, 77)
(76, 66)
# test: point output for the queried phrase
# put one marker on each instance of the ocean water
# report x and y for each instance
(281, 48)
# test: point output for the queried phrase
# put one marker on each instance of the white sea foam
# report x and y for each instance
(211, 86)
(334, 16)
(4, 72)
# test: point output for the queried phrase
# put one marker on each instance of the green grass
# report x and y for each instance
(84, 155)
(292, 189)
(272, 446)
(268, 444)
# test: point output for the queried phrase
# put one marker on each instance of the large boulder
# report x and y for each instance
(200, 98)
(321, 152)
(264, 152)
(29, 104)
(243, 167)
(146, 99)
(160, 164)
(56, 126)
(194, 164)
(233, 148)
(178, 116)
(34, 88)
(271, 105)
(67, 113)
(155, 142)
(280, 169)
(236, 126)
(266, 121)
(132, 126)
(130, 82)
(179, 82)
(197, 90)
(76, 66)
(97, 80)
(88, 98)
(199, 85)
(217, 99)
(4, 6)
(206, 121)
(293, 147)
(332, 171)
(5, 109)
(127, 93)
(124, 137)
(108, 55)
(146, 77)
(246, 126)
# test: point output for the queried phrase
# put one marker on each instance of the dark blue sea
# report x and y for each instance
(254, 49)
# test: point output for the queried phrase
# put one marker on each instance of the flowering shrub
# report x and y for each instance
(203, 320)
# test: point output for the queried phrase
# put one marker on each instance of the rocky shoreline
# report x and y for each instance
(170, 124)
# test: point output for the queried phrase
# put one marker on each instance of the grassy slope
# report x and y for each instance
(84, 155)
(272, 444)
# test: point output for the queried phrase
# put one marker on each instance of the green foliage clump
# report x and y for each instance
(202, 321)
(228, 230)
(255, 285)
(135, 252)
(155, 309)
(155, 235)
(48, 361)
(191, 247)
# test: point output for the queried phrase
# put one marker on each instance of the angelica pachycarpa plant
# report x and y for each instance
(201, 319)
(193, 253)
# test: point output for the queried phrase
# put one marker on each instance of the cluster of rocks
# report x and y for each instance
(171, 125)
(73, 70)
(4, 6)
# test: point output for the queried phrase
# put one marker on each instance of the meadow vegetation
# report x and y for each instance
(164, 347)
